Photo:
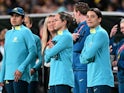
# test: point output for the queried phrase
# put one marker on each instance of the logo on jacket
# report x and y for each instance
(15, 39)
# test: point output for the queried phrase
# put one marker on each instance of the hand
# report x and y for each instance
(114, 63)
(110, 48)
(113, 30)
(75, 36)
(50, 44)
(32, 71)
(46, 64)
(18, 75)
(1, 84)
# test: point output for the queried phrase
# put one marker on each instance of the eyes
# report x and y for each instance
(91, 16)
(57, 20)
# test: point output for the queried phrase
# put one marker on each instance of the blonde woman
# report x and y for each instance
(47, 35)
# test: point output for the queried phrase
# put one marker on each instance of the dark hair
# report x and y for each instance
(97, 12)
(1, 56)
(66, 17)
(81, 7)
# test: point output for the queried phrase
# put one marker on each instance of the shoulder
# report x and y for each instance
(24, 29)
(36, 37)
(102, 31)
(8, 32)
(67, 33)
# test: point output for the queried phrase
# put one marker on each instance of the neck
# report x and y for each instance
(63, 28)
(52, 34)
(82, 18)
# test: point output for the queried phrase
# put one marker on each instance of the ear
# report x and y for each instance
(78, 13)
(30, 25)
(65, 22)
(100, 19)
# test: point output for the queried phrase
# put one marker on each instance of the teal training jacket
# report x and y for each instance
(19, 51)
(60, 58)
(96, 54)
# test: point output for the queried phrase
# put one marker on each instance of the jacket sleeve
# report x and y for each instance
(121, 60)
(31, 48)
(38, 65)
(89, 51)
(64, 42)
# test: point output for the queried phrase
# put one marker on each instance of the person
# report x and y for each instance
(118, 51)
(34, 66)
(40, 26)
(47, 35)
(59, 54)
(3, 30)
(19, 51)
(97, 55)
(79, 36)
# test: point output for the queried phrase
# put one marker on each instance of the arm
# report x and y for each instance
(113, 31)
(31, 48)
(64, 42)
(38, 65)
(120, 62)
(91, 47)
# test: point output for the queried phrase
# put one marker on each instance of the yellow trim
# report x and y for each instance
(60, 32)
(92, 31)
(17, 27)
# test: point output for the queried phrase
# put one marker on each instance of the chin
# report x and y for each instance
(91, 26)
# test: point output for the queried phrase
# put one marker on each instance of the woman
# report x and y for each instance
(47, 35)
(96, 54)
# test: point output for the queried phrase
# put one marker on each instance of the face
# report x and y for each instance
(27, 22)
(122, 27)
(59, 24)
(76, 15)
(92, 19)
(16, 19)
(50, 24)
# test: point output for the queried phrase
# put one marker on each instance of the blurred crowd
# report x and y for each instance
(52, 6)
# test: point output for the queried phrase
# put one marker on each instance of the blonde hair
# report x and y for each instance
(45, 34)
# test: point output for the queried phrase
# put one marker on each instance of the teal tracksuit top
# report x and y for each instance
(37, 64)
(96, 54)
(19, 51)
(61, 72)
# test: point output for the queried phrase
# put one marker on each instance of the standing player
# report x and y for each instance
(19, 51)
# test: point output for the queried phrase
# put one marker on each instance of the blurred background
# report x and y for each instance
(48, 6)
(112, 10)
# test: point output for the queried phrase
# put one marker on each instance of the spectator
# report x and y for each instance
(118, 51)
(111, 7)
(2, 38)
(48, 34)
(79, 36)
(40, 25)
(20, 50)
(97, 55)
